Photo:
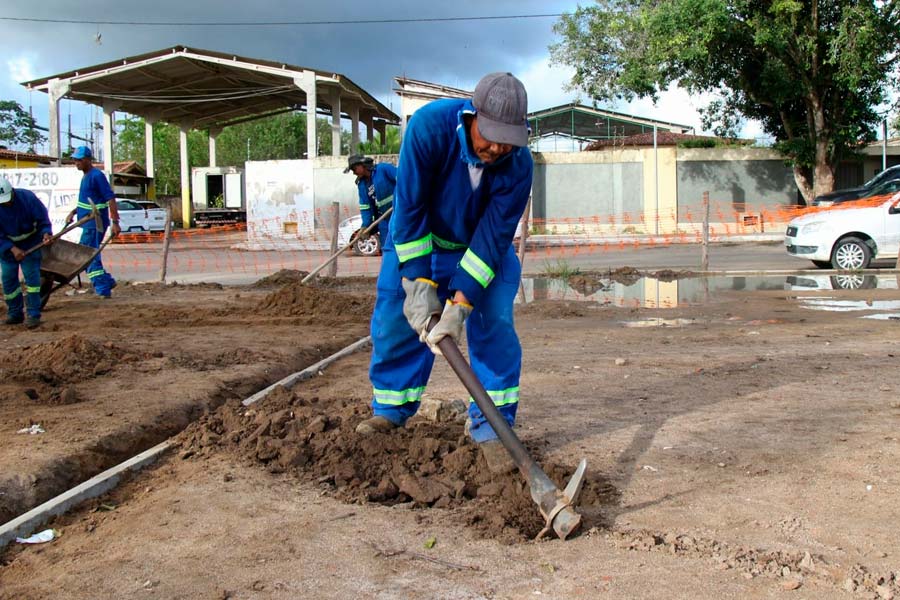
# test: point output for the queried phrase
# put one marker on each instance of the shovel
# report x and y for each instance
(95, 214)
(556, 506)
(363, 233)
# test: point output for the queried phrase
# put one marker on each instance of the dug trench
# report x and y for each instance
(102, 383)
(427, 464)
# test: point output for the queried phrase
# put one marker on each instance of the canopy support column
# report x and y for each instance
(56, 90)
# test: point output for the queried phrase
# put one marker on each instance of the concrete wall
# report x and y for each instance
(734, 178)
(586, 185)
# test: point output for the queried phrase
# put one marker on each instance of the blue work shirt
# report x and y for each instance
(447, 200)
(376, 194)
(95, 187)
(23, 222)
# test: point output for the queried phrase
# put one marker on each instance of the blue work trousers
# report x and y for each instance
(401, 364)
(12, 289)
(102, 281)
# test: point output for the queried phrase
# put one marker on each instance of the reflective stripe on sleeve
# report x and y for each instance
(477, 268)
(410, 250)
(384, 201)
(364, 207)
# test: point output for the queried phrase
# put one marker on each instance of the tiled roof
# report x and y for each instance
(663, 138)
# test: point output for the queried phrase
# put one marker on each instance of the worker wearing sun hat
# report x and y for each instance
(24, 224)
(95, 188)
(375, 183)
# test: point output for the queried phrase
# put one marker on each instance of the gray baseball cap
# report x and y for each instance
(501, 104)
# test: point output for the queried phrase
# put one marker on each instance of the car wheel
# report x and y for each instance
(370, 246)
(853, 282)
(851, 254)
(822, 264)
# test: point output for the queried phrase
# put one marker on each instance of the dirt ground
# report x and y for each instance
(744, 447)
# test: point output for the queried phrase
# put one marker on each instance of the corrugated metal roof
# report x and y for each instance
(205, 89)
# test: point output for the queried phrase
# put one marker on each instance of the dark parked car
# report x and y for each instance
(867, 189)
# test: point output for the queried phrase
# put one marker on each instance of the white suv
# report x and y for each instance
(847, 237)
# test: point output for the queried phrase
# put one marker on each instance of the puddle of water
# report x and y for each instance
(648, 292)
(832, 304)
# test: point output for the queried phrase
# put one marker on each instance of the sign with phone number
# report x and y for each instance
(56, 187)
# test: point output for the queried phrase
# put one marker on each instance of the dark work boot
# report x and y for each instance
(13, 320)
(32, 322)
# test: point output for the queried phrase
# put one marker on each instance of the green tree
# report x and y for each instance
(17, 126)
(811, 71)
(389, 145)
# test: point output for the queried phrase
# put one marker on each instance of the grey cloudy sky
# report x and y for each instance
(452, 53)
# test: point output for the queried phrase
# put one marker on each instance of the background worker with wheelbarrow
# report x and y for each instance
(463, 183)
(376, 190)
(24, 224)
(95, 188)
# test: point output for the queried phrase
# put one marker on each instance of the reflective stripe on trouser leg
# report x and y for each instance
(400, 364)
(31, 273)
(12, 290)
(100, 279)
(494, 348)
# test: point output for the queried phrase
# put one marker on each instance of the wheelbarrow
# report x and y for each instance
(62, 261)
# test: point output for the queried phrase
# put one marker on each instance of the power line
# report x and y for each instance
(279, 23)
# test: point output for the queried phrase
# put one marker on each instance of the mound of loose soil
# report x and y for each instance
(667, 275)
(310, 301)
(588, 283)
(280, 278)
(625, 275)
(426, 464)
(67, 360)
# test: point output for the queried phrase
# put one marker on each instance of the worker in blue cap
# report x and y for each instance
(95, 188)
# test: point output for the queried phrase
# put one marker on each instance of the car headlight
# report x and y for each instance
(813, 227)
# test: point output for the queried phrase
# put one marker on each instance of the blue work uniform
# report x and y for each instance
(95, 187)
(454, 222)
(23, 223)
(376, 196)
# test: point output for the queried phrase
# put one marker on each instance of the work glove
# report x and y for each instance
(421, 303)
(451, 324)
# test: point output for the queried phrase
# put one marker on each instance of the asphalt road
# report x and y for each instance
(214, 258)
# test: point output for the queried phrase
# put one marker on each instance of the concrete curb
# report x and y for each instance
(93, 487)
(107, 480)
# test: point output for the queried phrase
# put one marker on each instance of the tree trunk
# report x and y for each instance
(803, 184)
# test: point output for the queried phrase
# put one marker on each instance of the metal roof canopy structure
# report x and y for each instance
(202, 89)
(585, 123)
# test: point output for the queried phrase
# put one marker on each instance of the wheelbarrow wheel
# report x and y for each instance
(46, 288)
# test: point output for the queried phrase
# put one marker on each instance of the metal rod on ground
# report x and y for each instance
(704, 257)
(335, 214)
(555, 506)
(522, 240)
(364, 233)
(165, 250)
